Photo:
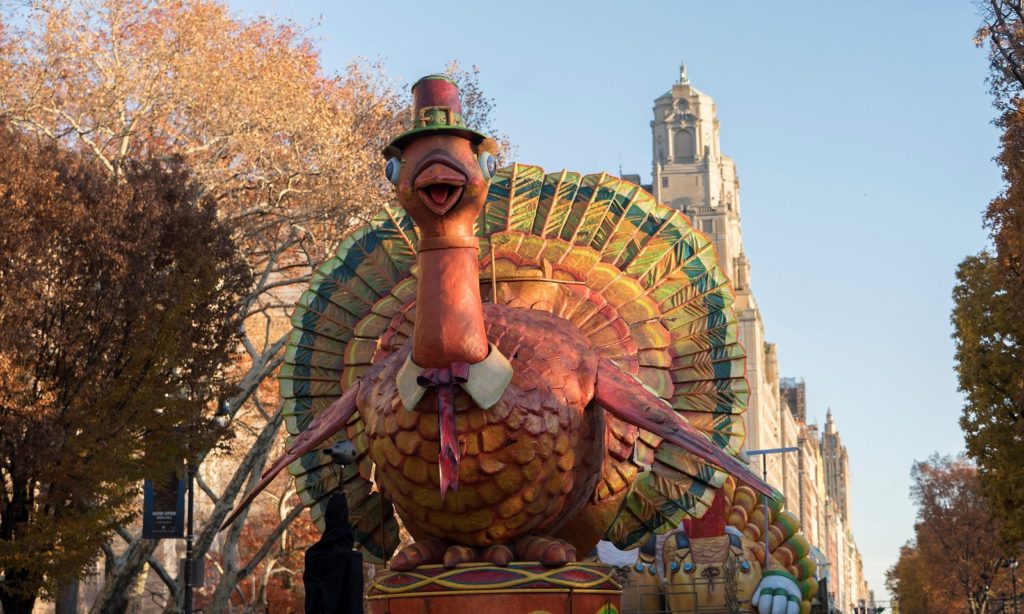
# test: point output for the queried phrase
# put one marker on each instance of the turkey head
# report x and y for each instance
(442, 186)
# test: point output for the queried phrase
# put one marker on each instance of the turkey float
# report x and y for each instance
(526, 363)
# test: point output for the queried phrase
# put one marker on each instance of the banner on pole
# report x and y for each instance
(163, 508)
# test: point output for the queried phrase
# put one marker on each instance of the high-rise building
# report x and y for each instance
(794, 394)
(690, 173)
(837, 467)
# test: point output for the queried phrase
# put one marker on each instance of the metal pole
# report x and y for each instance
(764, 476)
(1013, 577)
(189, 539)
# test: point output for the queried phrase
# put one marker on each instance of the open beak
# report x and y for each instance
(439, 185)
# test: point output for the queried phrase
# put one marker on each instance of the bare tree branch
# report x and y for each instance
(271, 542)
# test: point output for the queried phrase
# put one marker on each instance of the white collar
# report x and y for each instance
(487, 381)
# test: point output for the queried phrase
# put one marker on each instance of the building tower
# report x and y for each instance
(690, 174)
(837, 468)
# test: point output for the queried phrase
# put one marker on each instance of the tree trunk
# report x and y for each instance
(67, 598)
(19, 587)
(221, 597)
(17, 603)
(112, 599)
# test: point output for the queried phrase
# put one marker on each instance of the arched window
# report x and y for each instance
(683, 146)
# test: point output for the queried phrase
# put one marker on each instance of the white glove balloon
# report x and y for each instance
(777, 593)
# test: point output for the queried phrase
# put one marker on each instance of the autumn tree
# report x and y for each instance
(275, 584)
(990, 365)
(116, 316)
(289, 153)
(910, 582)
(954, 563)
(989, 295)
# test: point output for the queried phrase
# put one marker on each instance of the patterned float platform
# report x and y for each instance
(520, 588)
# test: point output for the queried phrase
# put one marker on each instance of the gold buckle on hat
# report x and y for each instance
(428, 116)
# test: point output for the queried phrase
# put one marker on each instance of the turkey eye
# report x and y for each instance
(391, 170)
(488, 164)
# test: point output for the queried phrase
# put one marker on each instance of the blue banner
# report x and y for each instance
(163, 508)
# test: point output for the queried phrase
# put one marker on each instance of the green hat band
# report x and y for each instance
(438, 117)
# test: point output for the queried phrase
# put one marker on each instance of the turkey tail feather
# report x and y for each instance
(332, 420)
(628, 399)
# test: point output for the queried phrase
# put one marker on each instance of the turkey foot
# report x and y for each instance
(427, 552)
(458, 554)
(498, 555)
(550, 551)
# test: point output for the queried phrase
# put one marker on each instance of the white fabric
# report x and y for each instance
(487, 381)
(659, 550)
(610, 555)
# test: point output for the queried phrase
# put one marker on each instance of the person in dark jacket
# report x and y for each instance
(334, 572)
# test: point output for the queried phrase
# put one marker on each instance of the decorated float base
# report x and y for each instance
(478, 588)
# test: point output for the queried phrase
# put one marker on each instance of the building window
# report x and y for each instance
(664, 182)
(708, 226)
(684, 146)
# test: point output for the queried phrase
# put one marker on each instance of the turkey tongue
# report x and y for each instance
(438, 193)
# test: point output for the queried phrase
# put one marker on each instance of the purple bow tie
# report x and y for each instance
(456, 373)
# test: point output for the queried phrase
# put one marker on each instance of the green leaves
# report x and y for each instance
(989, 335)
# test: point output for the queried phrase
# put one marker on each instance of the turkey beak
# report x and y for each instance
(438, 183)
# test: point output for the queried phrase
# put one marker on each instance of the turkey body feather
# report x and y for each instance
(528, 463)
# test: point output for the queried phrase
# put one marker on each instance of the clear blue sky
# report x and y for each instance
(862, 135)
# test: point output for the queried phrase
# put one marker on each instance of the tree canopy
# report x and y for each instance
(117, 298)
(289, 153)
(954, 563)
(990, 365)
(989, 294)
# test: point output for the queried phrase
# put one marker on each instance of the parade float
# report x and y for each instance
(526, 363)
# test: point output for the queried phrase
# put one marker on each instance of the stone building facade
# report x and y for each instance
(690, 173)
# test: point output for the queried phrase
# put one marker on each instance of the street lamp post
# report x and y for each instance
(764, 475)
(222, 417)
(1011, 564)
(189, 542)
